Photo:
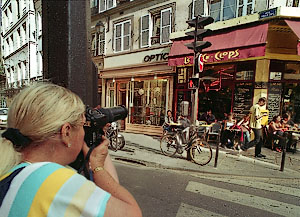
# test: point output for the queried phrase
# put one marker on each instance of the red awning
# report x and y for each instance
(226, 42)
(295, 26)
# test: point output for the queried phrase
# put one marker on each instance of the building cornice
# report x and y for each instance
(17, 51)
(25, 15)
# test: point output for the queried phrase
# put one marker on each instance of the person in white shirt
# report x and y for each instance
(255, 124)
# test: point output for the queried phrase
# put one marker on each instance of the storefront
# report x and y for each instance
(245, 63)
(144, 86)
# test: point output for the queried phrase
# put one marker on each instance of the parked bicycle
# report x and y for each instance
(191, 139)
(117, 141)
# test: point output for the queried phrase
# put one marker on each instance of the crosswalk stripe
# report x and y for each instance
(186, 210)
(265, 204)
(259, 185)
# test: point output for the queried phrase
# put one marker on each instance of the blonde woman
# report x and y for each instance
(45, 133)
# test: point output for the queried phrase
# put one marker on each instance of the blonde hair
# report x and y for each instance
(38, 112)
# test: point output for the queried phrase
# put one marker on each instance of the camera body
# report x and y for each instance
(96, 119)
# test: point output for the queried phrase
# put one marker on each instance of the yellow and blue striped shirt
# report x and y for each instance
(49, 189)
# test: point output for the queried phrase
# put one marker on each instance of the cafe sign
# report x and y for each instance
(221, 56)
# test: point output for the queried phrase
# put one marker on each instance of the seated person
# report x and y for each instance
(168, 120)
(208, 117)
(293, 138)
(244, 124)
(227, 135)
(276, 130)
(185, 125)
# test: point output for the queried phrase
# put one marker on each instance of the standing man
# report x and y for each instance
(255, 124)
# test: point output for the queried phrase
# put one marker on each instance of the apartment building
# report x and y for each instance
(22, 57)
(138, 47)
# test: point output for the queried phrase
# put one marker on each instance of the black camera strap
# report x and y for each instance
(84, 167)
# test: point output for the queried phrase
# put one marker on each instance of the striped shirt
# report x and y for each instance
(49, 189)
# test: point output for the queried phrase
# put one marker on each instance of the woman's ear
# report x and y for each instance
(65, 133)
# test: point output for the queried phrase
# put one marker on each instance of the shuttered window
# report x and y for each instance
(145, 32)
(122, 36)
(165, 25)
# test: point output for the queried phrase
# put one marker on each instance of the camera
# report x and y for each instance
(96, 119)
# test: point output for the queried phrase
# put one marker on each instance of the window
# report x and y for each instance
(165, 26)
(106, 5)
(245, 7)
(122, 33)
(98, 43)
(147, 102)
(18, 8)
(39, 24)
(145, 31)
(215, 10)
(93, 3)
(196, 8)
(101, 47)
(19, 38)
(223, 9)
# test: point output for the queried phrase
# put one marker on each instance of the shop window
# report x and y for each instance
(122, 36)
(276, 70)
(292, 71)
(245, 71)
(148, 102)
(291, 100)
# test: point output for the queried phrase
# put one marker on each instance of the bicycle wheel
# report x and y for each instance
(168, 145)
(201, 152)
(121, 142)
(113, 141)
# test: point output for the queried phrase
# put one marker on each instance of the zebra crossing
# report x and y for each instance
(267, 205)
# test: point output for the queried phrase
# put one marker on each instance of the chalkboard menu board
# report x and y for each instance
(274, 99)
(243, 94)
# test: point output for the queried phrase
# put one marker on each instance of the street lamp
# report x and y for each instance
(99, 26)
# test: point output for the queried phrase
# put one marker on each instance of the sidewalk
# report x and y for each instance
(145, 150)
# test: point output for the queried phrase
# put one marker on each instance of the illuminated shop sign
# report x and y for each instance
(221, 55)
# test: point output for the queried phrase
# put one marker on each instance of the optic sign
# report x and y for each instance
(200, 63)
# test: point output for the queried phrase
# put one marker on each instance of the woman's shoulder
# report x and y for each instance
(49, 184)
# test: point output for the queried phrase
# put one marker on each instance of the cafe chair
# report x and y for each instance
(214, 133)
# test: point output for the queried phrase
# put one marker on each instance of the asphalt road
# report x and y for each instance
(168, 193)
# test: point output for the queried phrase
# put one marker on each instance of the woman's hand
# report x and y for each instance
(99, 153)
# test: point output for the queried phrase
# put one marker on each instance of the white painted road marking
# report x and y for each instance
(261, 203)
(258, 185)
(186, 210)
